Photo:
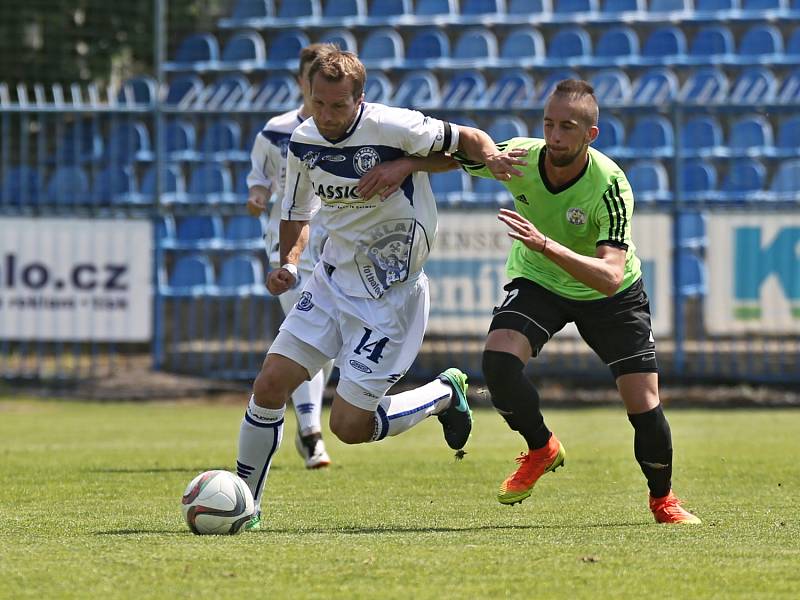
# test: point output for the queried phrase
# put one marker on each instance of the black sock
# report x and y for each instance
(514, 397)
(652, 447)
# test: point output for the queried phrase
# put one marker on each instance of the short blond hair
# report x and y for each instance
(337, 65)
(311, 53)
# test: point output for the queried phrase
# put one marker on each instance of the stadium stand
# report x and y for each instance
(649, 181)
(523, 46)
(241, 275)
(190, 276)
(512, 89)
(702, 136)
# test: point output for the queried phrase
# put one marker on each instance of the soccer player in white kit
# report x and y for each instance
(366, 303)
(268, 176)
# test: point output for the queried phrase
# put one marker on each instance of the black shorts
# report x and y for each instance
(616, 328)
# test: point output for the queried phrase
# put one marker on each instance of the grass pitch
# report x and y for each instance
(90, 508)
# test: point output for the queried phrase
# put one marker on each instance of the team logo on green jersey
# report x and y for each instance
(576, 216)
(521, 198)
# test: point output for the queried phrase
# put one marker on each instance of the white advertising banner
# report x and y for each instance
(753, 273)
(467, 271)
(75, 279)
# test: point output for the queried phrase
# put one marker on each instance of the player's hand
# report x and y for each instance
(522, 230)
(502, 164)
(384, 179)
(256, 204)
(279, 281)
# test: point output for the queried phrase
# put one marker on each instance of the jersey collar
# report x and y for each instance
(558, 189)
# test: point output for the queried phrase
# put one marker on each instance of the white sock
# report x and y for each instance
(398, 413)
(259, 439)
(307, 401)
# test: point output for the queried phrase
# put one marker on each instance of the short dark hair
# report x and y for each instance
(582, 91)
(311, 52)
(337, 65)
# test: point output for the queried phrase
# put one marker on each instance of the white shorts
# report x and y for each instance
(373, 341)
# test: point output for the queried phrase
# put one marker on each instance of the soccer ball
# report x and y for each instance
(217, 502)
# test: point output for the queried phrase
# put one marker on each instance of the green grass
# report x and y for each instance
(90, 493)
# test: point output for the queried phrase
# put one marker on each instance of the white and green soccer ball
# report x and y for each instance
(217, 502)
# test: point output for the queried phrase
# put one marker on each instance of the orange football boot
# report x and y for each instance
(532, 466)
(668, 510)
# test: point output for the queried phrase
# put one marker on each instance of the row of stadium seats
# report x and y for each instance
(194, 275)
(479, 47)
(212, 184)
(311, 13)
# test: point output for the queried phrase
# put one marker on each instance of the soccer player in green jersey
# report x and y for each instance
(572, 260)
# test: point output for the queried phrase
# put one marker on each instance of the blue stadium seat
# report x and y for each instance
(284, 48)
(244, 231)
(240, 173)
(68, 185)
(247, 11)
(761, 43)
(762, 8)
(788, 143)
(669, 6)
(698, 181)
(198, 231)
(569, 45)
(277, 92)
(451, 186)
(655, 87)
(526, 8)
(615, 7)
(20, 186)
(113, 185)
(418, 90)
(225, 93)
(197, 52)
(222, 140)
(128, 142)
(692, 278)
(569, 8)
(753, 86)
(489, 191)
(664, 46)
(616, 46)
(435, 8)
(651, 136)
(505, 128)
(341, 38)
(344, 11)
(464, 89)
(792, 50)
(386, 11)
(786, 181)
(210, 184)
(744, 180)
(184, 90)
(715, 9)
(751, 135)
(692, 230)
(382, 48)
(428, 48)
(482, 8)
(789, 92)
(378, 88)
(611, 139)
(80, 143)
(241, 275)
(165, 227)
(173, 186)
(705, 86)
(551, 81)
(702, 136)
(512, 89)
(712, 44)
(299, 9)
(611, 87)
(522, 47)
(137, 91)
(180, 140)
(649, 181)
(475, 48)
(244, 51)
(190, 276)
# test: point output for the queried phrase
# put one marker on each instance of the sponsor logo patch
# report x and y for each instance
(334, 157)
(360, 366)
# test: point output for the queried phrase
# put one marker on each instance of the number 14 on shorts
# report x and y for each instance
(372, 349)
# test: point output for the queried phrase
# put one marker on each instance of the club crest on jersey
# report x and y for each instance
(383, 255)
(365, 158)
(576, 216)
(310, 159)
(304, 304)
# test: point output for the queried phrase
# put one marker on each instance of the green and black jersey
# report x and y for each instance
(593, 209)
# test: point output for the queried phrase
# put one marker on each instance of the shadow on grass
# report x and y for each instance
(143, 532)
(379, 530)
(190, 470)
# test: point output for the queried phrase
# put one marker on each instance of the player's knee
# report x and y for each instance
(501, 370)
(270, 389)
(348, 431)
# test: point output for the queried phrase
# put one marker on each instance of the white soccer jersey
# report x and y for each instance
(268, 169)
(372, 243)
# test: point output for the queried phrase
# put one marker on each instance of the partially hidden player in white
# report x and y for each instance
(267, 177)
(366, 303)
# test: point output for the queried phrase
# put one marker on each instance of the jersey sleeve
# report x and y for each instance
(419, 134)
(261, 168)
(299, 201)
(478, 169)
(614, 215)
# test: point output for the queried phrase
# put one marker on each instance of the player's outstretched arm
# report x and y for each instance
(476, 145)
(386, 178)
